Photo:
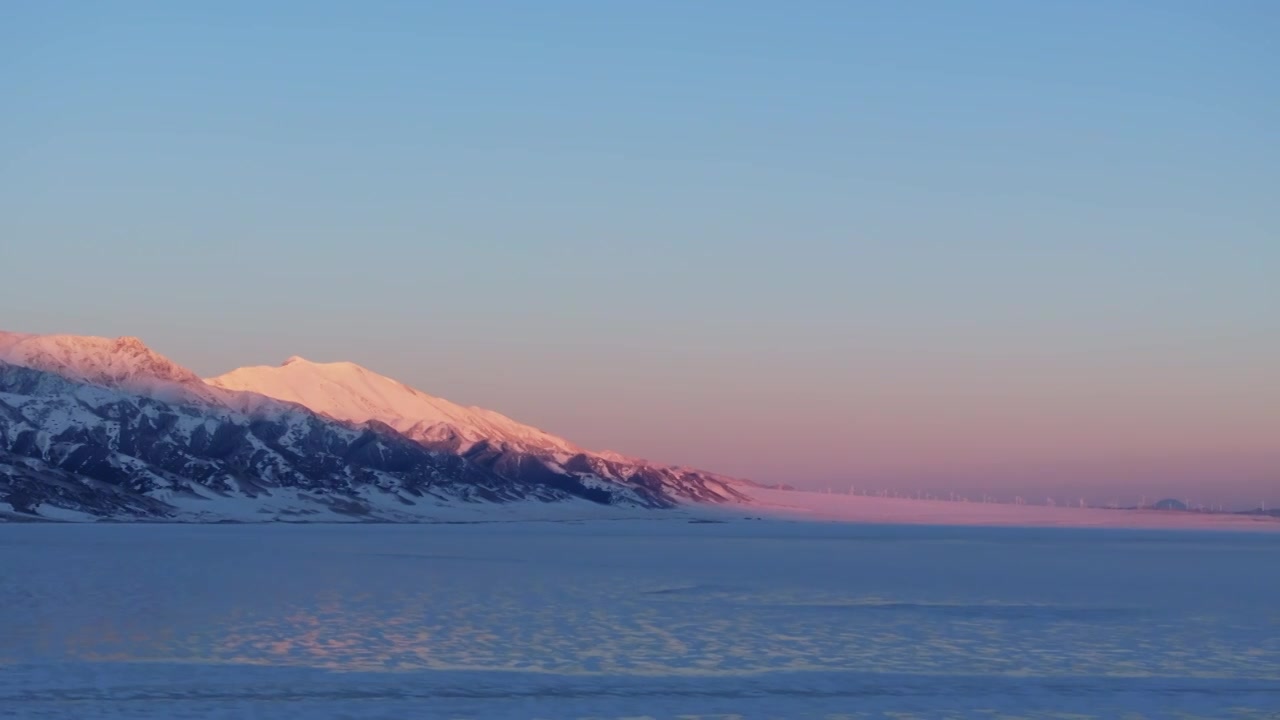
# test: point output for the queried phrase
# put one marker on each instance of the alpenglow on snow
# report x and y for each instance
(98, 427)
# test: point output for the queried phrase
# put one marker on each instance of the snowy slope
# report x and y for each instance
(127, 364)
(66, 445)
(108, 427)
(347, 391)
(351, 394)
(124, 363)
(98, 427)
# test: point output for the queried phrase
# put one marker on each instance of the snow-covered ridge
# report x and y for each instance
(109, 427)
(101, 427)
(128, 364)
(125, 363)
(93, 451)
(347, 391)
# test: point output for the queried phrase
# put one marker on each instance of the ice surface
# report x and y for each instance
(636, 618)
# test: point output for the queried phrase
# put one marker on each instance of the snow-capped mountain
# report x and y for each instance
(108, 427)
(347, 391)
(124, 363)
(99, 451)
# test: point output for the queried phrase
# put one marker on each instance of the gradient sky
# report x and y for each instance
(1010, 246)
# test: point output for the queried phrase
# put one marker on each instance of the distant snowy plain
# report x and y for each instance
(645, 618)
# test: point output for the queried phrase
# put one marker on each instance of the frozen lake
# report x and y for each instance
(636, 618)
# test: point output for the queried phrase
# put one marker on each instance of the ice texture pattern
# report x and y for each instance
(640, 618)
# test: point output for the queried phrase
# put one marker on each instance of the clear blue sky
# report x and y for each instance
(1023, 246)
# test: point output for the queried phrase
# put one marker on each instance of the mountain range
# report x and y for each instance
(108, 428)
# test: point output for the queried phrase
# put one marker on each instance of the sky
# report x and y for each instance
(1007, 247)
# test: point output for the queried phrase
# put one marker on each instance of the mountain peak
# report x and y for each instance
(489, 455)
(347, 391)
(123, 362)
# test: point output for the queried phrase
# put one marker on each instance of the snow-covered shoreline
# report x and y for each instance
(764, 505)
